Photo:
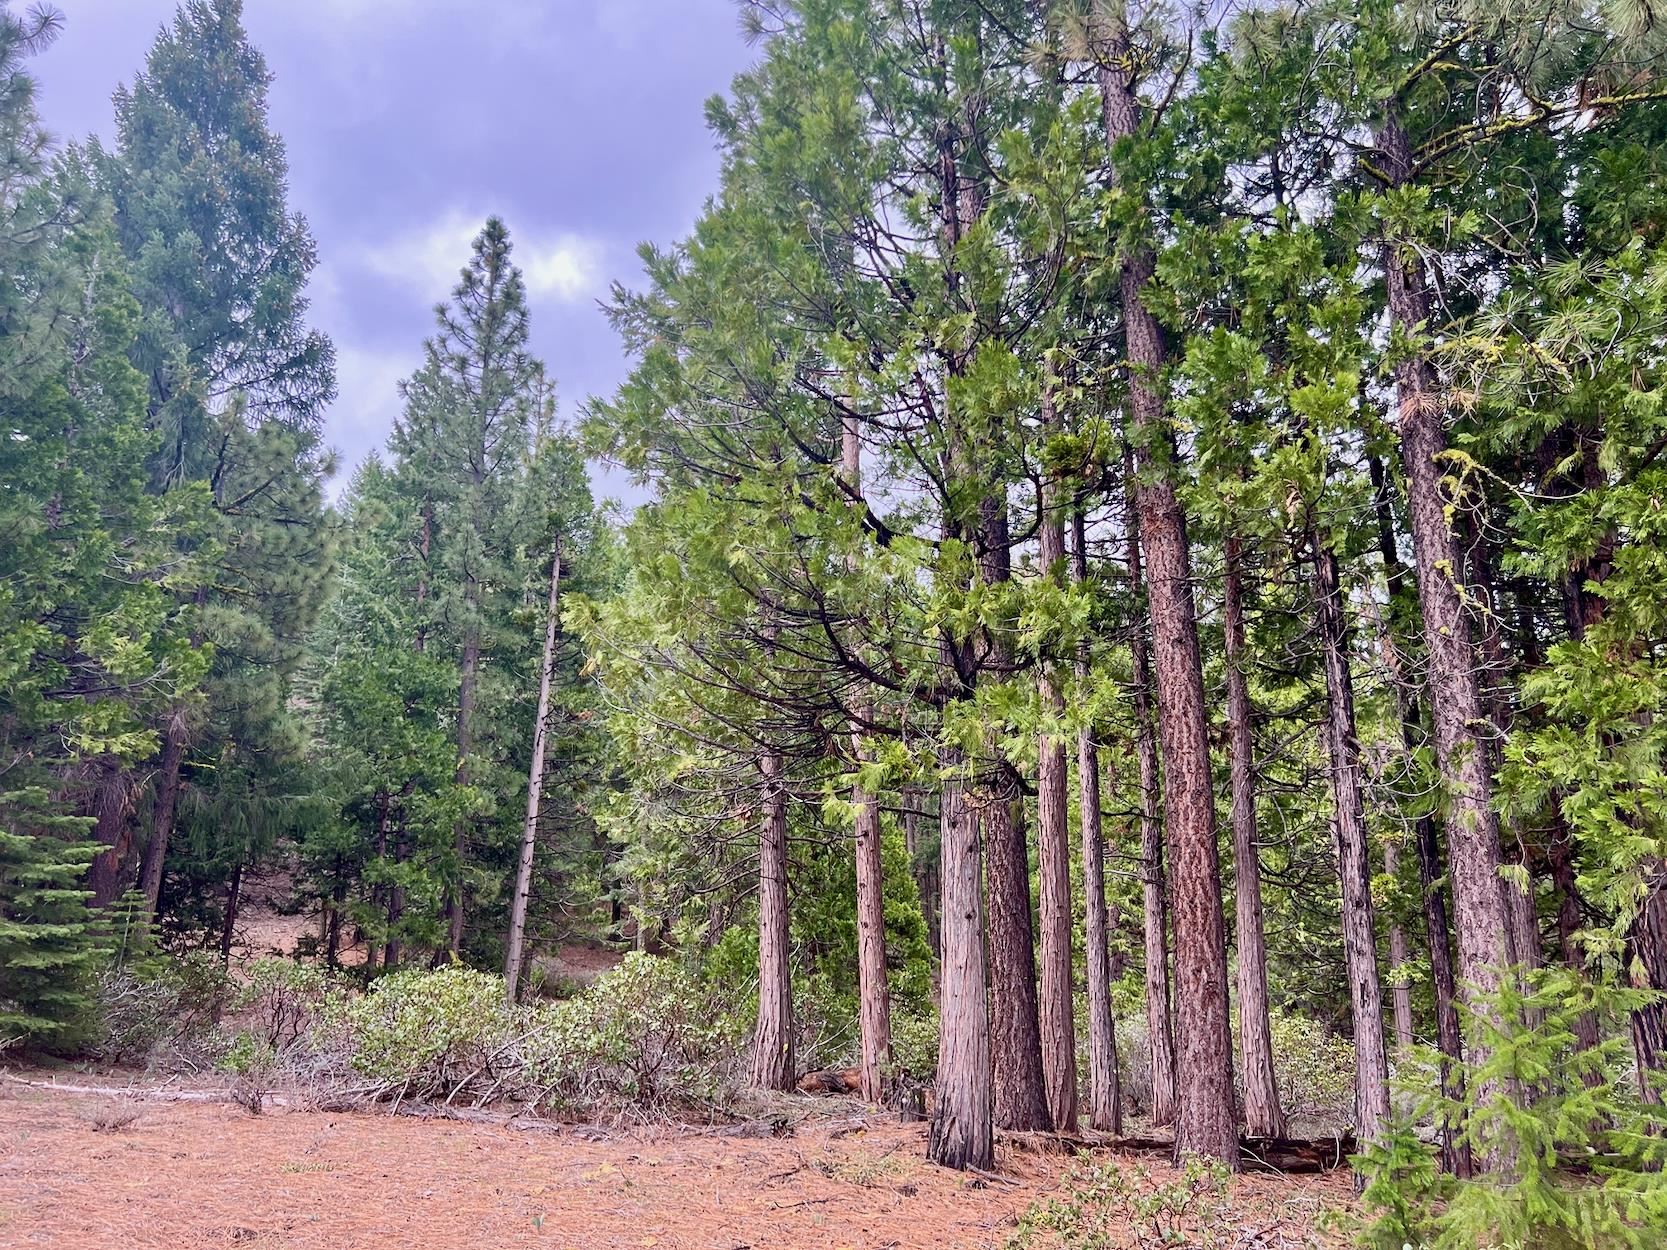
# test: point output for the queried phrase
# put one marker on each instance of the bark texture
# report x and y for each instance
(1105, 1093)
(1456, 705)
(1263, 1116)
(1154, 908)
(772, 1048)
(1057, 1010)
(1353, 852)
(962, 1133)
(1205, 1120)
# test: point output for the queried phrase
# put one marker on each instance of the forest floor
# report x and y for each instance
(183, 1175)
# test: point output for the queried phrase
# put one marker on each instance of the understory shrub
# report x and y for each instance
(157, 1009)
(644, 1034)
(430, 1033)
(1575, 1161)
(1314, 1069)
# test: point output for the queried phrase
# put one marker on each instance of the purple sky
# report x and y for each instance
(408, 121)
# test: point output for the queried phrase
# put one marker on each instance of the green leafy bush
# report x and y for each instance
(430, 1033)
(1576, 1158)
(644, 1034)
(1314, 1068)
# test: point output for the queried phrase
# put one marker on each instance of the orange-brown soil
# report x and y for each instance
(206, 1174)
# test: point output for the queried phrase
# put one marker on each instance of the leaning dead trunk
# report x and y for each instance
(535, 781)
(1353, 851)
(1263, 1116)
(772, 1049)
(1205, 1123)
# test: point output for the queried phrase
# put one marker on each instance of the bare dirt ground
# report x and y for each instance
(192, 1174)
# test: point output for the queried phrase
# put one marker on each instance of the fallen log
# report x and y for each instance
(1256, 1154)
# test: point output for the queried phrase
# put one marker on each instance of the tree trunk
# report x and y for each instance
(1400, 988)
(1455, 1155)
(1263, 1116)
(396, 903)
(234, 894)
(1647, 956)
(111, 830)
(1105, 1093)
(467, 678)
(163, 810)
(925, 870)
(1354, 862)
(772, 1051)
(1015, 1033)
(535, 781)
(1155, 942)
(1057, 1008)
(1456, 704)
(1205, 1123)
(962, 1129)
(874, 996)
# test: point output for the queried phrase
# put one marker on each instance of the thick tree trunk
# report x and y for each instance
(962, 1130)
(772, 1049)
(873, 994)
(1455, 1156)
(163, 811)
(1647, 955)
(1057, 1009)
(1155, 941)
(1354, 861)
(113, 831)
(1015, 1032)
(535, 781)
(1400, 988)
(1456, 705)
(1105, 1092)
(1205, 1123)
(1263, 1116)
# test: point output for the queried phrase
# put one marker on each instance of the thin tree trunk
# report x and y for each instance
(234, 893)
(1354, 861)
(962, 1130)
(163, 811)
(1456, 704)
(772, 1052)
(1400, 988)
(1263, 1115)
(1647, 956)
(535, 781)
(925, 870)
(873, 994)
(1205, 1123)
(1105, 1092)
(1057, 1008)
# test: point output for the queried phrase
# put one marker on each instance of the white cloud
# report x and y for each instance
(563, 267)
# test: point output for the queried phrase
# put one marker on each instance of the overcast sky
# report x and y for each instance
(409, 121)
